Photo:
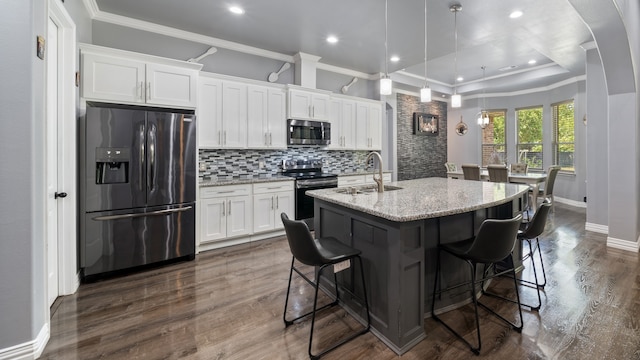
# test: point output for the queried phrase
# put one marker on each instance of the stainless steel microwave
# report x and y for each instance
(306, 132)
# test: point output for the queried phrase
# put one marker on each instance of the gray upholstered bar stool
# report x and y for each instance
(494, 243)
(531, 231)
(321, 253)
(471, 171)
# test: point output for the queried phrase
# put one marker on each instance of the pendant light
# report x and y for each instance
(425, 92)
(385, 81)
(456, 99)
(483, 115)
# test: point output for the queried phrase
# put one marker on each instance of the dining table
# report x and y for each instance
(532, 179)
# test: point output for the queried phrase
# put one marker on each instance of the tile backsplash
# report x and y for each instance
(226, 162)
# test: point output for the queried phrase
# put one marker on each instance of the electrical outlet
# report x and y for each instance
(203, 166)
(261, 164)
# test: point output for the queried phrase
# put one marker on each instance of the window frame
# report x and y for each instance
(556, 133)
(541, 143)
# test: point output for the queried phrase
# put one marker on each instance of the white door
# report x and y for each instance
(213, 219)
(234, 114)
(170, 85)
(52, 162)
(375, 126)
(239, 216)
(277, 118)
(210, 113)
(348, 124)
(257, 106)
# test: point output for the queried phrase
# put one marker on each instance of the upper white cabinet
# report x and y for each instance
(369, 125)
(308, 105)
(222, 114)
(267, 117)
(119, 76)
(343, 124)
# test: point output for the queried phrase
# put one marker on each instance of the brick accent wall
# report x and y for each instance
(420, 156)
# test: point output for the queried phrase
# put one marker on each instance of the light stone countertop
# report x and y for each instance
(360, 172)
(238, 180)
(425, 198)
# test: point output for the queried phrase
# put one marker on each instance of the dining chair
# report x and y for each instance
(519, 168)
(320, 253)
(498, 173)
(493, 243)
(451, 166)
(471, 171)
(547, 191)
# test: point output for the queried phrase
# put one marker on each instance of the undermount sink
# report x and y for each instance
(364, 189)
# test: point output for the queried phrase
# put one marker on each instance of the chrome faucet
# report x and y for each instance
(379, 179)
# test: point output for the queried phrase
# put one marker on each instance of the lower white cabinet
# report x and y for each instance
(269, 200)
(226, 212)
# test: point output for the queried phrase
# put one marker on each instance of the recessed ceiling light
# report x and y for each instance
(332, 39)
(460, 78)
(516, 14)
(395, 58)
(236, 10)
(532, 61)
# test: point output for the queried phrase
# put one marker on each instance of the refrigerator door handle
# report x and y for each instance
(142, 157)
(151, 174)
(153, 213)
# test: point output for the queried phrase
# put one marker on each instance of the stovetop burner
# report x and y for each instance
(305, 169)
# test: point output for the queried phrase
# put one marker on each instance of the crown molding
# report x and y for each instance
(349, 72)
(92, 8)
(569, 81)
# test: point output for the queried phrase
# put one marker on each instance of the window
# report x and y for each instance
(494, 144)
(529, 145)
(563, 135)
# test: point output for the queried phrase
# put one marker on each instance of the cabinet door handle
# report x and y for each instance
(313, 111)
(225, 137)
(220, 137)
(277, 202)
(141, 90)
(266, 141)
(229, 211)
(272, 203)
(310, 111)
(270, 139)
(149, 90)
(224, 205)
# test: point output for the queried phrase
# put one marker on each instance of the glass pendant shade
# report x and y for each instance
(386, 86)
(483, 119)
(425, 94)
(456, 100)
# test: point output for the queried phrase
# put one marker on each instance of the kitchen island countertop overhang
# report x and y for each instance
(425, 198)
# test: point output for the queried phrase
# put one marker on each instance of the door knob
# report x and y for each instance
(60, 195)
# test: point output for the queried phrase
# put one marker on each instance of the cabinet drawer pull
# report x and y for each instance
(229, 211)
(224, 205)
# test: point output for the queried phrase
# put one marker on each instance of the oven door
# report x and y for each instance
(304, 202)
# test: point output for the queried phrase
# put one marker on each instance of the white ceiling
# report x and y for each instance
(550, 31)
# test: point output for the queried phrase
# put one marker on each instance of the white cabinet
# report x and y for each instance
(368, 125)
(124, 77)
(266, 117)
(222, 114)
(343, 124)
(351, 180)
(308, 105)
(386, 178)
(226, 212)
(269, 200)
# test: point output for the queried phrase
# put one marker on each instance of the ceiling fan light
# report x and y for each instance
(456, 100)
(425, 94)
(386, 86)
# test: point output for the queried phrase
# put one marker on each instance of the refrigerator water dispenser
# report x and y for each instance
(112, 165)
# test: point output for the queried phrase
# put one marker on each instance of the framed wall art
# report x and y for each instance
(425, 124)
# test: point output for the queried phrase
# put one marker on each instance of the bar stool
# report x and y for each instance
(493, 243)
(532, 230)
(322, 253)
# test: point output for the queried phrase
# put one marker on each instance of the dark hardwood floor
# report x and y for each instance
(227, 304)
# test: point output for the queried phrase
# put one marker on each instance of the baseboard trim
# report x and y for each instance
(29, 350)
(580, 204)
(623, 244)
(602, 229)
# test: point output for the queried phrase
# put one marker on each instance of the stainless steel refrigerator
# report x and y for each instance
(137, 187)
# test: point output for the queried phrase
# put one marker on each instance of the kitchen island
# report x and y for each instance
(398, 232)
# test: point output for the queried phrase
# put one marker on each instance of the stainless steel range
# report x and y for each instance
(309, 176)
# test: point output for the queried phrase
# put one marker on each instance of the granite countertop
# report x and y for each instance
(425, 198)
(243, 179)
